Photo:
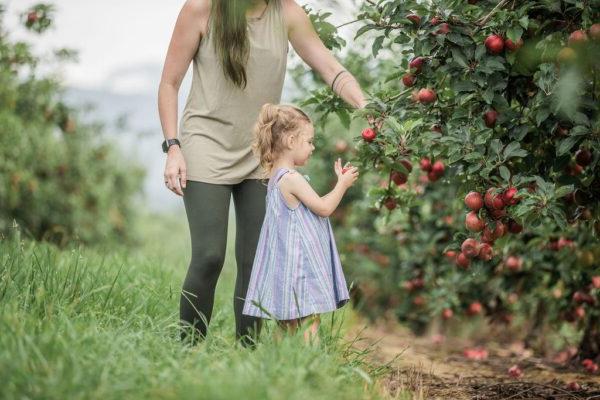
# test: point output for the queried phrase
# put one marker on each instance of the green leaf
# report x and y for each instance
(511, 148)
(464, 86)
(344, 117)
(504, 173)
(541, 116)
(514, 33)
(473, 156)
(363, 29)
(459, 57)
(563, 191)
(495, 146)
(566, 145)
(488, 96)
(377, 44)
(524, 22)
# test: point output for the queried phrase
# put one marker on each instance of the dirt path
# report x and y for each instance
(436, 368)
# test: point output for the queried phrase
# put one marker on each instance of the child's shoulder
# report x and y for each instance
(293, 177)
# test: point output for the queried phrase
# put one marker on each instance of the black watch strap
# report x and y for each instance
(168, 143)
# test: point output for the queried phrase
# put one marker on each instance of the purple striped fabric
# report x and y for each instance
(297, 269)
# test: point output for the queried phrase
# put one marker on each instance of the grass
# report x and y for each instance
(102, 323)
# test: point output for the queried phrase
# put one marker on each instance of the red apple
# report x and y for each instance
(486, 252)
(583, 157)
(32, 17)
(450, 254)
(419, 301)
(416, 63)
(474, 201)
(369, 134)
(447, 313)
(443, 29)
(596, 281)
(427, 96)
(435, 20)
(432, 176)
(512, 46)
(587, 362)
(399, 178)
(414, 18)
(499, 230)
(425, 164)
(515, 372)
(470, 247)
(514, 263)
(409, 80)
(490, 117)
(492, 200)
(473, 223)
(595, 31)
(498, 214)
(406, 164)
(573, 386)
(592, 368)
(390, 203)
(579, 312)
(494, 44)
(508, 197)
(463, 261)
(475, 308)
(487, 236)
(514, 226)
(577, 37)
(438, 168)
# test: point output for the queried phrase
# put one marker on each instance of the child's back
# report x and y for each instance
(297, 269)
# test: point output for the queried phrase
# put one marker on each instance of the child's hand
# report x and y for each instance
(346, 175)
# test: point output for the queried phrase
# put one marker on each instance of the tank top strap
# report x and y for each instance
(275, 179)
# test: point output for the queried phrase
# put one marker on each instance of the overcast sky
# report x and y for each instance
(116, 38)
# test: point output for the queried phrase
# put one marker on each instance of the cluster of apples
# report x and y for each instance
(434, 170)
(495, 44)
(425, 95)
(494, 202)
(590, 366)
(577, 39)
(443, 28)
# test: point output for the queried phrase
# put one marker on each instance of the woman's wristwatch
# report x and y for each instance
(168, 143)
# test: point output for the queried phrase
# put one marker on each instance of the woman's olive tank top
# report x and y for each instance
(216, 124)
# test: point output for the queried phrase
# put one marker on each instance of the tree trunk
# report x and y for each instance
(589, 347)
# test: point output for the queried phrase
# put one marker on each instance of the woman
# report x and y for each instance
(239, 51)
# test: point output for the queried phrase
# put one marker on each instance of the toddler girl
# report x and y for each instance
(297, 271)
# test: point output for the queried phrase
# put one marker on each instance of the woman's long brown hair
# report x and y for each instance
(230, 39)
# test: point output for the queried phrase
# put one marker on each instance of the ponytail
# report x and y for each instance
(275, 123)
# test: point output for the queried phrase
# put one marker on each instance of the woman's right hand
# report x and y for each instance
(175, 172)
(346, 178)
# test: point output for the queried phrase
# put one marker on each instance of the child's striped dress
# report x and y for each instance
(297, 269)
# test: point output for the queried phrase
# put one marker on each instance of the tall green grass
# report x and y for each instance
(102, 323)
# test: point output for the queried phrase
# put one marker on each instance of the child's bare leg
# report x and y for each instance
(288, 326)
(311, 332)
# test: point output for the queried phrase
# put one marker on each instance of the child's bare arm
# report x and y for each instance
(324, 206)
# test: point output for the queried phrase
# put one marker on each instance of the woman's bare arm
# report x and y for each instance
(184, 44)
(310, 48)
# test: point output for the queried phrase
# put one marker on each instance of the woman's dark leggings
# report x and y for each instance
(207, 209)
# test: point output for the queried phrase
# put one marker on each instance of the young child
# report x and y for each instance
(297, 273)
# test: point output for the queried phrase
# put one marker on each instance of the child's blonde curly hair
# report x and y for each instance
(275, 123)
